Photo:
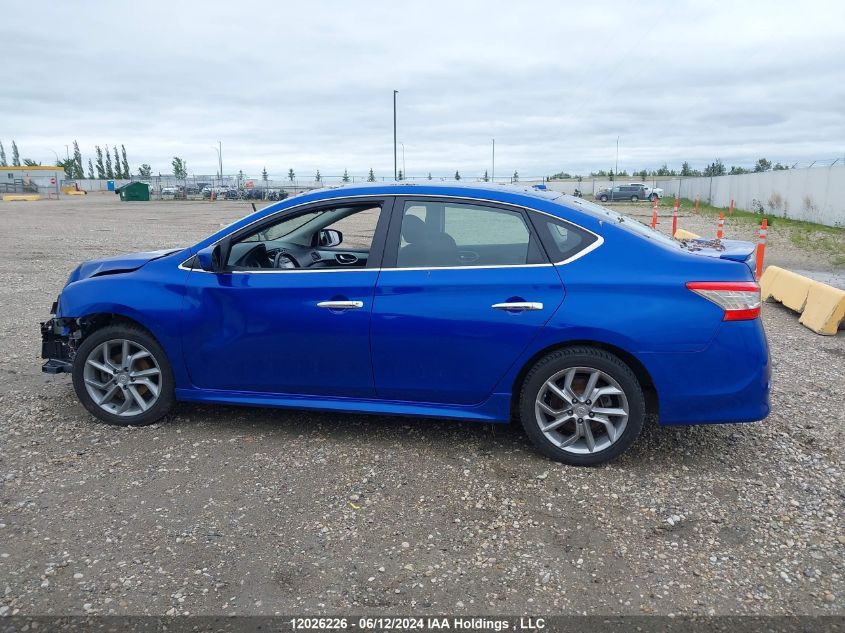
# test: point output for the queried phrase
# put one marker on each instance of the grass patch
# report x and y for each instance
(819, 238)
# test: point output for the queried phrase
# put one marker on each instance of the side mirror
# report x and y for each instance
(330, 238)
(211, 258)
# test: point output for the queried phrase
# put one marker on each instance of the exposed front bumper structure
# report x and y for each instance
(57, 345)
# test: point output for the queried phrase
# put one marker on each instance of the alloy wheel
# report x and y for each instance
(122, 377)
(581, 410)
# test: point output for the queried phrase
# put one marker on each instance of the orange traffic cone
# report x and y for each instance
(761, 246)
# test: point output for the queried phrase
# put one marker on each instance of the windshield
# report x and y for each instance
(631, 224)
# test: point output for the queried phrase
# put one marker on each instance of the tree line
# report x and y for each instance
(108, 165)
(113, 164)
(180, 171)
(716, 168)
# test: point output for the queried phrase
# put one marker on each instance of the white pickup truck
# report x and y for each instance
(650, 192)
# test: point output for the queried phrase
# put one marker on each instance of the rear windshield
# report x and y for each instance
(627, 223)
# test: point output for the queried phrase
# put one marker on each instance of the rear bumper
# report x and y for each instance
(727, 382)
(56, 346)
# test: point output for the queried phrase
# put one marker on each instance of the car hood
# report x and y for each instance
(117, 264)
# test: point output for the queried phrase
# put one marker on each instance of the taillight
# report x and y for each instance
(739, 299)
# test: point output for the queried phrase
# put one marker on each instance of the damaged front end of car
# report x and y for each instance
(59, 339)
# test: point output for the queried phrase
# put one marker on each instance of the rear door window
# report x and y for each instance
(454, 234)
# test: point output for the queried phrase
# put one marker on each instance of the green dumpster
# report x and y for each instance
(134, 191)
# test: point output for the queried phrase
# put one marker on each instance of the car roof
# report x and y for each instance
(508, 193)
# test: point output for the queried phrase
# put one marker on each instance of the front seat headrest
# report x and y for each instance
(413, 229)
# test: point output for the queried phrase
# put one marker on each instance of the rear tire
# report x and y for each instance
(597, 426)
(122, 376)
(635, 198)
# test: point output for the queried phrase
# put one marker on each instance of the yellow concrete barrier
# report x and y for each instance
(681, 234)
(20, 197)
(822, 307)
(825, 309)
(767, 281)
(785, 286)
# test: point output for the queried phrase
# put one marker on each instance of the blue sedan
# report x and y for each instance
(485, 303)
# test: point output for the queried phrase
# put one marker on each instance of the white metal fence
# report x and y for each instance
(816, 195)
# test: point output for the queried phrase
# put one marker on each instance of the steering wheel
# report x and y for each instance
(283, 260)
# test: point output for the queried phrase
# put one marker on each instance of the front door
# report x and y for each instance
(464, 289)
(290, 314)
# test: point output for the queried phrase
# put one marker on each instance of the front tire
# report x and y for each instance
(122, 376)
(581, 406)
(603, 198)
(635, 198)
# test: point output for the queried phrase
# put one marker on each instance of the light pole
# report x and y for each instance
(404, 171)
(394, 134)
(219, 162)
(493, 171)
(617, 157)
(67, 152)
(220, 159)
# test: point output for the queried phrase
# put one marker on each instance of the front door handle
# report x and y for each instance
(518, 306)
(341, 305)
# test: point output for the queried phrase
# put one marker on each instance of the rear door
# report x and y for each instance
(464, 288)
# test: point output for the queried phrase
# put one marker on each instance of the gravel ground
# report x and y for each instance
(251, 511)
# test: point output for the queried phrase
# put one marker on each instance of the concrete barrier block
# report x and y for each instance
(767, 281)
(681, 234)
(20, 197)
(789, 288)
(825, 309)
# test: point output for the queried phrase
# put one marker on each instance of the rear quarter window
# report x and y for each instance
(561, 239)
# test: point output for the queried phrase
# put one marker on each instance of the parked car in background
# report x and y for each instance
(169, 191)
(650, 192)
(473, 302)
(622, 192)
(219, 192)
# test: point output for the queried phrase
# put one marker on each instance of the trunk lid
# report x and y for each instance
(734, 250)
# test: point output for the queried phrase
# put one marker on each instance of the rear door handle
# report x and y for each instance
(341, 305)
(518, 306)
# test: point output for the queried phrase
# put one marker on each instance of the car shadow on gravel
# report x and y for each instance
(658, 446)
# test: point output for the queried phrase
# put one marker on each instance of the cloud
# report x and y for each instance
(310, 85)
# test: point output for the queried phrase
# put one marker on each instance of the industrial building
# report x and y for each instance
(43, 181)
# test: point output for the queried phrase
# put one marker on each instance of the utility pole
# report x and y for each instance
(493, 171)
(67, 152)
(394, 135)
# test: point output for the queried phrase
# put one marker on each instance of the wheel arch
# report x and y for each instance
(642, 374)
(94, 321)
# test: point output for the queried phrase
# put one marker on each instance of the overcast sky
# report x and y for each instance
(310, 85)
